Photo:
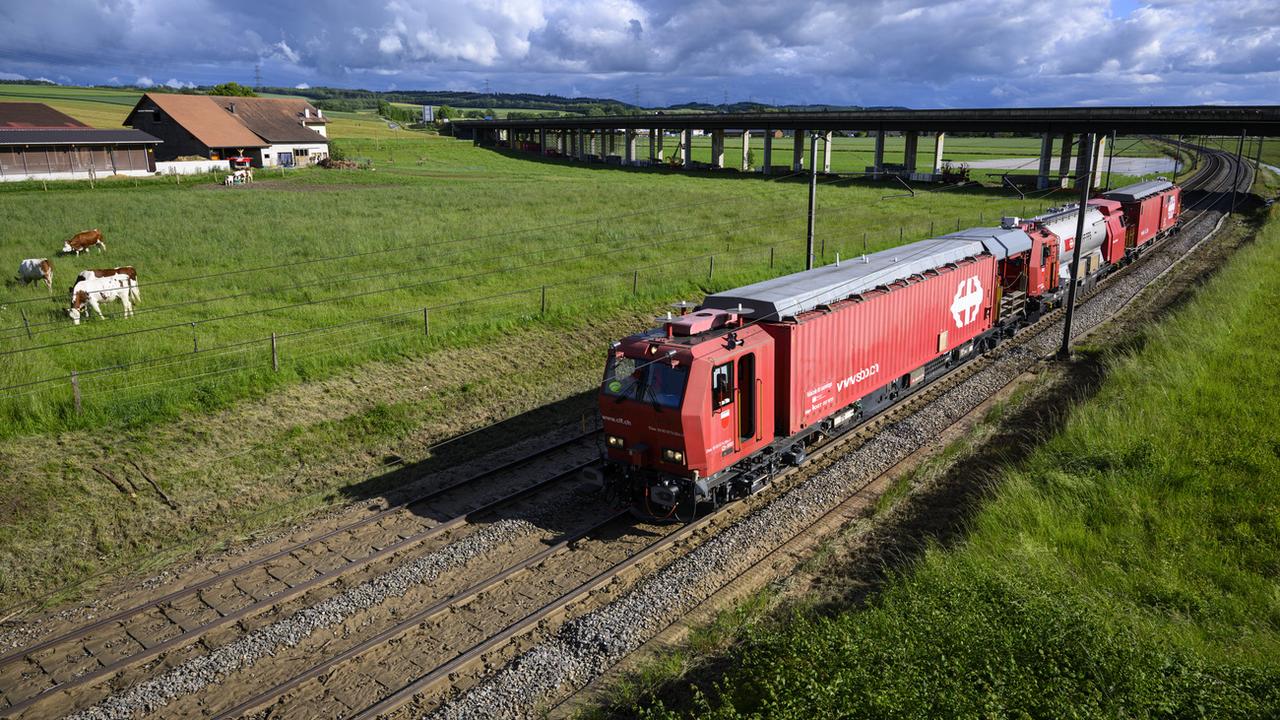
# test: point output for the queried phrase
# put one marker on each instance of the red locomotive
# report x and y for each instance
(709, 406)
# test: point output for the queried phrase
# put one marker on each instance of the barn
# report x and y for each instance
(40, 143)
(271, 131)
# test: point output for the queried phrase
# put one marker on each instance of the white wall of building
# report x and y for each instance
(304, 154)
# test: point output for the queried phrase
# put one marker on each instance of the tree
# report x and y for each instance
(444, 112)
(232, 88)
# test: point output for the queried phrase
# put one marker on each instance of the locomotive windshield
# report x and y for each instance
(655, 382)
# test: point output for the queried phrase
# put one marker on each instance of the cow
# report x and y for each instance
(127, 273)
(83, 241)
(36, 269)
(87, 295)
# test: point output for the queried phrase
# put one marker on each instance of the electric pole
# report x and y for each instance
(1084, 178)
(257, 76)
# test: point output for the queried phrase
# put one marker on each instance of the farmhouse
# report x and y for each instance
(270, 131)
(38, 142)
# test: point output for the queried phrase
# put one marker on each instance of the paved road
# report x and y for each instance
(1120, 165)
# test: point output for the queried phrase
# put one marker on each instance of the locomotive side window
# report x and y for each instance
(1044, 256)
(721, 385)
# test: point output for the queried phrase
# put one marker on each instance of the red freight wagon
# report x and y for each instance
(831, 358)
(703, 408)
(1150, 209)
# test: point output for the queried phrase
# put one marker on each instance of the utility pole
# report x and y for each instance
(1111, 156)
(1236, 170)
(813, 195)
(257, 76)
(1083, 177)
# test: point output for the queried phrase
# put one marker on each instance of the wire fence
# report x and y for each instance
(218, 370)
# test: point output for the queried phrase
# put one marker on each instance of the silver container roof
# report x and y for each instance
(1137, 191)
(790, 295)
(1000, 242)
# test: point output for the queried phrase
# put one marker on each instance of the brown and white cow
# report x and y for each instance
(35, 269)
(88, 295)
(83, 241)
(127, 272)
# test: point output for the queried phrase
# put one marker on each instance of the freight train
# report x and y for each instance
(712, 404)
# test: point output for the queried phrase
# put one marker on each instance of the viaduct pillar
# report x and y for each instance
(939, 142)
(1046, 161)
(910, 151)
(542, 141)
(1099, 161)
(768, 151)
(877, 165)
(686, 146)
(653, 144)
(826, 151)
(717, 148)
(1064, 160)
(629, 150)
(797, 153)
(746, 150)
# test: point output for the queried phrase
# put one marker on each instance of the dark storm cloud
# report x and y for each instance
(972, 53)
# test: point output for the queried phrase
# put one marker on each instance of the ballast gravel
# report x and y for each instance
(587, 646)
(200, 672)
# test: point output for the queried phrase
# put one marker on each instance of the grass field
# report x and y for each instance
(1128, 568)
(437, 222)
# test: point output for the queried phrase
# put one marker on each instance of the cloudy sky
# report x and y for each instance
(970, 53)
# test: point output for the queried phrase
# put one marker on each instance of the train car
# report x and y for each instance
(707, 407)
(1150, 209)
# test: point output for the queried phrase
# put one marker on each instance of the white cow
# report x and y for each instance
(87, 295)
(35, 269)
(126, 274)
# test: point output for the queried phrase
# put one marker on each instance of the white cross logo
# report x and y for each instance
(965, 304)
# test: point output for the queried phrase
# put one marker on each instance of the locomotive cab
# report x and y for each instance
(682, 406)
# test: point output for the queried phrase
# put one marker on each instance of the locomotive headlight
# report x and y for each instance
(673, 456)
(615, 442)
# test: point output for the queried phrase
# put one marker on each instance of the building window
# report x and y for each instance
(159, 116)
(300, 152)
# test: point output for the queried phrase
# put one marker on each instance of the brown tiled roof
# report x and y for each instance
(35, 115)
(202, 117)
(274, 119)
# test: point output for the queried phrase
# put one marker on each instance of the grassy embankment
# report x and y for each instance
(1127, 568)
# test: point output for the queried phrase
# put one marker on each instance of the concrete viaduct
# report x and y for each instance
(585, 138)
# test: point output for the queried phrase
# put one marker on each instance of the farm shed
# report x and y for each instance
(40, 143)
(271, 131)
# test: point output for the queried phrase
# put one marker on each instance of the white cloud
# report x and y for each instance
(11, 76)
(144, 82)
(302, 86)
(909, 52)
(178, 84)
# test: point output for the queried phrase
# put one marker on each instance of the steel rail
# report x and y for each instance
(418, 618)
(294, 591)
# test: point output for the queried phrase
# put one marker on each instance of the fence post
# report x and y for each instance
(75, 390)
(957, 224)
(635, 282)
(981, 217)
(426, 323)
(864, 242)
(195, 339)
(930, 228)
(26, 324)
(275, 355)
(899, 234)
(544, 299)
(711, 267)
(771, 257)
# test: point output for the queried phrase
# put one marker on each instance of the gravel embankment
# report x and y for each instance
(585, 647)
(200, 672)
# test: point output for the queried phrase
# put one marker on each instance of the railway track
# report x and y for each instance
(389, 659)
(59, 673)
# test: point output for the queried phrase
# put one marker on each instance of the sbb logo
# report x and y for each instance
(964, 307)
